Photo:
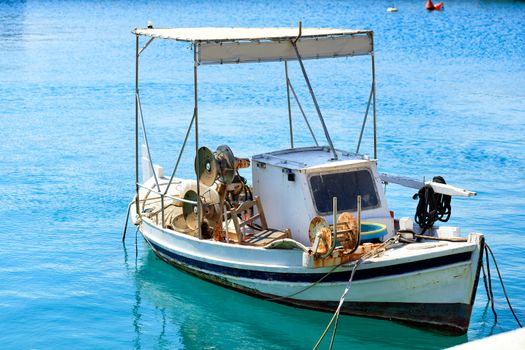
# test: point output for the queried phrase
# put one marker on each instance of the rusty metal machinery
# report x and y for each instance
(218, 173)
(321, 235)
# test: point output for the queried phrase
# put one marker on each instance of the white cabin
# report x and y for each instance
(295, 185)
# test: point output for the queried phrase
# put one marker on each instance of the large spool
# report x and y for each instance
(226, 163)
(216, 172)
(320, 225)
(347, 234)
(210, 204)
(206, 166)
(221, 164)
(189, 210)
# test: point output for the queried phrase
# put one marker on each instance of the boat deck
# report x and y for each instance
(174, 220)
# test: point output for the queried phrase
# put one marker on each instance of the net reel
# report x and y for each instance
(220, 165)
(347, 233)
(226, 163)
(210, 204)
(206, 166)
(216, 172)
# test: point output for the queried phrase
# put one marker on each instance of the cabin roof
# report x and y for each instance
(310, 159)
(228, 34)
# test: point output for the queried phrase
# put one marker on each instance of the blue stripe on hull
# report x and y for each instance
(313, 277)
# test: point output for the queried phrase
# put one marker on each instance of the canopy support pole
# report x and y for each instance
(374, 90)
(364, 120)
(196, 114)
(302, 112)
(147, 44)
(314, 100)
(180, 153)
(288, 98)
(137, 202)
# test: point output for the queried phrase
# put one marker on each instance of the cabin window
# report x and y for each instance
(346, 187)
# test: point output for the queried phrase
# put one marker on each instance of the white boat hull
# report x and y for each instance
(430, 285)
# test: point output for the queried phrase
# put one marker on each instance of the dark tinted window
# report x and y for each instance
(346, 187)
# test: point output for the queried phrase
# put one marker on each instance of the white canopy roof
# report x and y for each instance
(238, 45)
(222, 34)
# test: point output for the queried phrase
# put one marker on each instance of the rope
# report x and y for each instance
(485, 280)
(333, 333)
(368, 255)
(432, 206)
(383, 247)
(126, 224)
(491, 294)
(136, 245)
(446, 239)
(338, 310)
(489, 250)
(309, 286)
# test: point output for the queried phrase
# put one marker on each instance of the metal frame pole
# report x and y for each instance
(288, 98)
(196, 113)
(180, 153)
(374, 96)
(364, 120)
(359, 209)
(314, 100)
(137, 203)
(145, 135)
(302, 112)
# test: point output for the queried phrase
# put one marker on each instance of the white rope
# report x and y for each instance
(338, 310)
(382, 248)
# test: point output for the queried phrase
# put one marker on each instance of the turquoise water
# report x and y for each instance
(451, 87)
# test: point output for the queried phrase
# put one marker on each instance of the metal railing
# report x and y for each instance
(162, 197)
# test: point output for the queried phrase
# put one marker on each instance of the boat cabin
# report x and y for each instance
(296, 185)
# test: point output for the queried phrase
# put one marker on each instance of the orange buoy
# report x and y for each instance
(430, 6)
(439, 6)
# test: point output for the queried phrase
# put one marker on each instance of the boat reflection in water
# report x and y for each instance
(176, 310)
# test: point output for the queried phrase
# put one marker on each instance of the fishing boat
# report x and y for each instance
(313, 219)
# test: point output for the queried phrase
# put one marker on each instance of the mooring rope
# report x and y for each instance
(338, 310)
(376, 251)
(385, 246)
(382, 248)
(485, 279)
(309, 286)
(491, 296)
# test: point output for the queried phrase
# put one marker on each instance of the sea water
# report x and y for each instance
(450, 102)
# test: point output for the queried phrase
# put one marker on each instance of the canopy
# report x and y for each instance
(239, 45)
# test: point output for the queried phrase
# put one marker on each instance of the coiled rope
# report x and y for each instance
(432, 206)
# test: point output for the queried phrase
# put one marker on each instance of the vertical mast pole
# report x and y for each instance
(196, 113)
(374, 95)
(288, 98)
(137, 202)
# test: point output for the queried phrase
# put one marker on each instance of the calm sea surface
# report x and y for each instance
(451, 92)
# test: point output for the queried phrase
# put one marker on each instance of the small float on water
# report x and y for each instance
(313, 218)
